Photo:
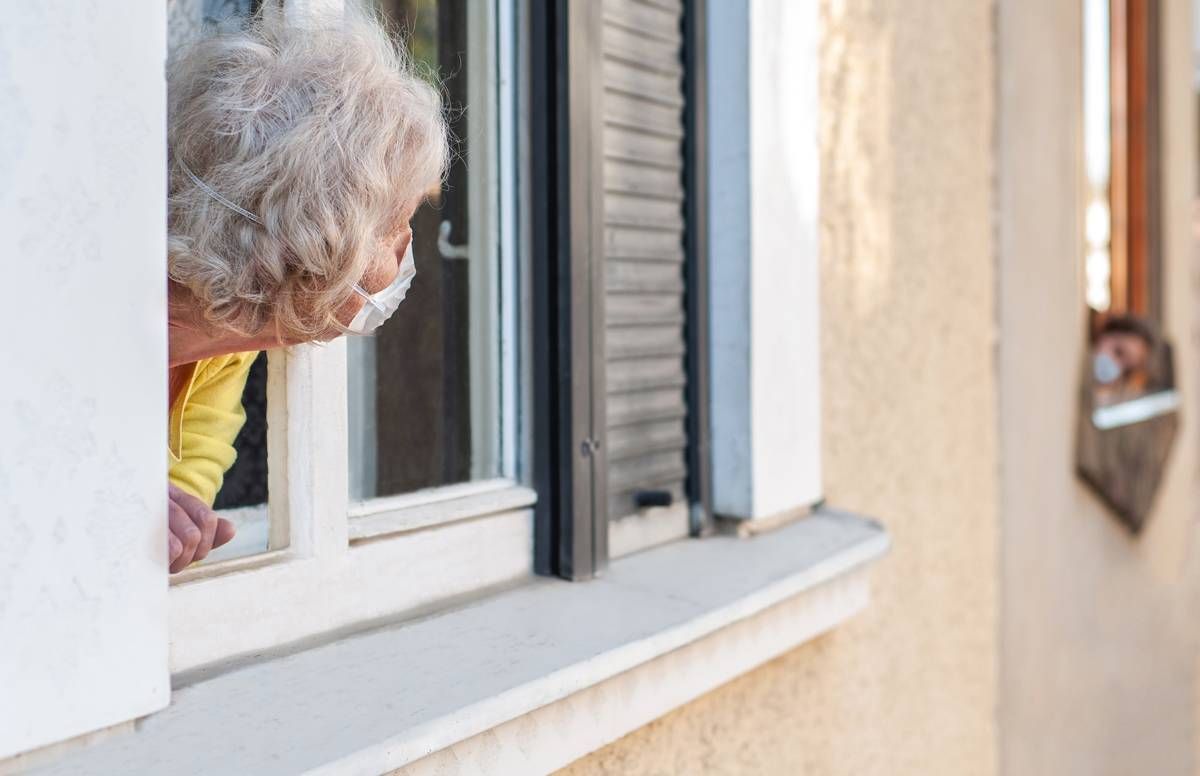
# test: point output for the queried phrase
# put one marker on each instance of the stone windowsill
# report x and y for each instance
(426, 693)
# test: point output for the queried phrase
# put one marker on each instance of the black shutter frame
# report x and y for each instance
(566, 219)
(696, 267)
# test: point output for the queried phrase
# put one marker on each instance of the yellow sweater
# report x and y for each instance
(205, 420)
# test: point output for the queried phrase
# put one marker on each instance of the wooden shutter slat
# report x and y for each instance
(626, 310)
(654, 436)
(631, 111)
(627, 209)
(650, 21)
(642, 341)
(657, 403)
(648, 241)
(641, 374)
(642, 277)
(646, 83)
(652, 470)
(626, 177)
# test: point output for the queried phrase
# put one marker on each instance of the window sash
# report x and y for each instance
(436, 506)
(321, 541)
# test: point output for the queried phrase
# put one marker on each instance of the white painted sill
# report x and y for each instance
(524, 681)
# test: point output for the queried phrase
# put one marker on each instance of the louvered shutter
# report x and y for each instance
(645, 337)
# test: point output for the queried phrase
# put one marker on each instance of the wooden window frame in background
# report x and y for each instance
(1136, 246)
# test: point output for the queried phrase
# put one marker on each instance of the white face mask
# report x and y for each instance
(377, 308)
(1105, 368)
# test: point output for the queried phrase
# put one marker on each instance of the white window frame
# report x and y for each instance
(333, 563)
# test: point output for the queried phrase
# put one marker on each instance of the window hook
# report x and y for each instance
(448, 249)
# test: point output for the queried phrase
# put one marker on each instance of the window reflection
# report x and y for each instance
(423, 391)
(1097, 147)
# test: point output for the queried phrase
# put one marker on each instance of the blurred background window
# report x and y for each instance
(1122, 156)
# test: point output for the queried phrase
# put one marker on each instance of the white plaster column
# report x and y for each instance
(764, 183)
(83, 464)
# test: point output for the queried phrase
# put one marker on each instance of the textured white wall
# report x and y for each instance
(1098, 628)
(83, 394)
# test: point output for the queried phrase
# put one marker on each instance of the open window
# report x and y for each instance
(431, 396)
(567, 239)
(1128, 414)
(392, 462)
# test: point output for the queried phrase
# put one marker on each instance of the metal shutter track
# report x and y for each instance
(644, 250)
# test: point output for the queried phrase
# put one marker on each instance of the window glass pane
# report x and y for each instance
(187, 19)
(424, 390)
(1097, 145)
(243, 496)
(246, 481)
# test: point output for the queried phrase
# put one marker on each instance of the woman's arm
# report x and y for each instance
(212, 418)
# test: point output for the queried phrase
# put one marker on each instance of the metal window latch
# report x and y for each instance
(447, 248)
(589, 447)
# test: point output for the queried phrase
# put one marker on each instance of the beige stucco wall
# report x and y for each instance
(909, 687)
(1098, 658)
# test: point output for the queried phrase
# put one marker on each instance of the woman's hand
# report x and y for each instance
(195, 530)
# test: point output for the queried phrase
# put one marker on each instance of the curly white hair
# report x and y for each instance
(326, 133)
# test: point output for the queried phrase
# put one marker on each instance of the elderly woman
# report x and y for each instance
(298, 155)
